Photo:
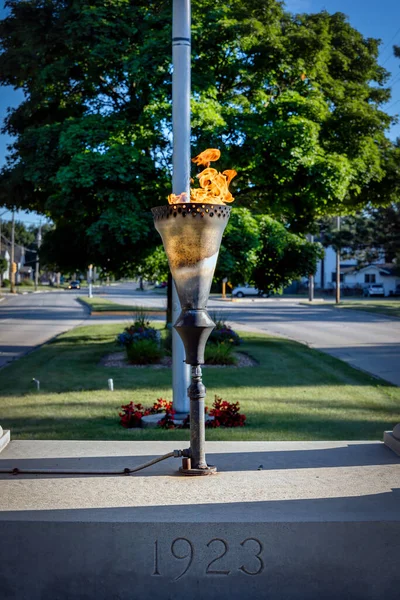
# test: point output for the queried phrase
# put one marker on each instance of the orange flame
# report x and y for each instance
(213, 185)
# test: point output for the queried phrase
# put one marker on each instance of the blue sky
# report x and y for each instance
(377, 19)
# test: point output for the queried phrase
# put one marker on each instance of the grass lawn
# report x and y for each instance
(390, 308)
(98, 304)
(295, 393)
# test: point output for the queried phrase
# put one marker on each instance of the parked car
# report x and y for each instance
(396, 291)
(74, 285)
(376, 289)
(246, 290)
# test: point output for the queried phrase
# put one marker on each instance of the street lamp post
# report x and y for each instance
(338, 264)
(39, 243)
(311, 278)
(12, 265)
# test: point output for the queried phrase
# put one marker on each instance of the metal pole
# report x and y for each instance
(197, 393)
(338, 265)
(12, 273)
(311, 279)
(181, 174)
(39, 243)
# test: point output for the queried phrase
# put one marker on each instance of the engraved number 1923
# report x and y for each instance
(183, 550)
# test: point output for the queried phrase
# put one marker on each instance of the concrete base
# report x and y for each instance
(4, 438)
(151, 421)
(392, 441)
(280, 521)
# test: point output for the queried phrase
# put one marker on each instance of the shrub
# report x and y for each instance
(223, 332)
(27, 282)
(141, 341)
(226, 414)
(144, 351)
(6, 283)
(167, 341)
(140, 330)
(132, 414)
(219, 354)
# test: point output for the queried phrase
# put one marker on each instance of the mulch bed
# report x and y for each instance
(119, 360)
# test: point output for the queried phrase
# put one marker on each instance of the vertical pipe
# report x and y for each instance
(197, 393)
(338, 265)
(12, 272)
(181, 172)
(311, 278)
(39, 242)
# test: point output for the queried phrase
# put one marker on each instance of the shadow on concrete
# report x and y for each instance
(42, 314)
(349, 455)
(381, 507)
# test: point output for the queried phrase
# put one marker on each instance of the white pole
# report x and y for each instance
(39, 243)
(181, 174)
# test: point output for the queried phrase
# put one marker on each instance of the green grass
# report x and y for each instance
(98, 304)
(390, 308)
(295, 393)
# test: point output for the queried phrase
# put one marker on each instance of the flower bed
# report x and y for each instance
(221, 414)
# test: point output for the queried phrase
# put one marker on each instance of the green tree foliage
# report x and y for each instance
(237, 256)
(23, 236)
(3, 266)
(368, 236)
(293, 102)
(282, 257)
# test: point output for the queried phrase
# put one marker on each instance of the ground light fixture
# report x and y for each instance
(191, 231)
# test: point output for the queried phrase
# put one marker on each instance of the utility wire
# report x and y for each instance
(388, 44)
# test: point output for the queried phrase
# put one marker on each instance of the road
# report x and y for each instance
(32, 319)
(366, 341)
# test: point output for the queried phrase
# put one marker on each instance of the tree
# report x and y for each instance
(3, 267)
(294, 103)
(368, 236)
(283, 257)
(23, 236)
(237, 255)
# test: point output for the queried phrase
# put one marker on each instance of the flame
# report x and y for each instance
(213, 185)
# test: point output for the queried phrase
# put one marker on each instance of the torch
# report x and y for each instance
(191, 231)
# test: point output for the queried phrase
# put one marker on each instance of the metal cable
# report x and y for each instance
(126, 471)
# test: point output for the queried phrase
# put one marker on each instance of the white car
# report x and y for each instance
(375, 289)
(246, 290)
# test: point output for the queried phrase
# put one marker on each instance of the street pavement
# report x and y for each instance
(367, 341)
(29, 320)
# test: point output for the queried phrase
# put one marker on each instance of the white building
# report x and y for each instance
(353, 277)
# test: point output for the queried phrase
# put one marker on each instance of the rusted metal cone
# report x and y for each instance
(191, 234)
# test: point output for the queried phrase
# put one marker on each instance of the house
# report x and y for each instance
(387, 274)
(354, 277)
(23, 271)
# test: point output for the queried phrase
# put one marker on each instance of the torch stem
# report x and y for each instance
(197, 393)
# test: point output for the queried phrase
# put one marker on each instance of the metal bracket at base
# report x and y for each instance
(186, 469)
